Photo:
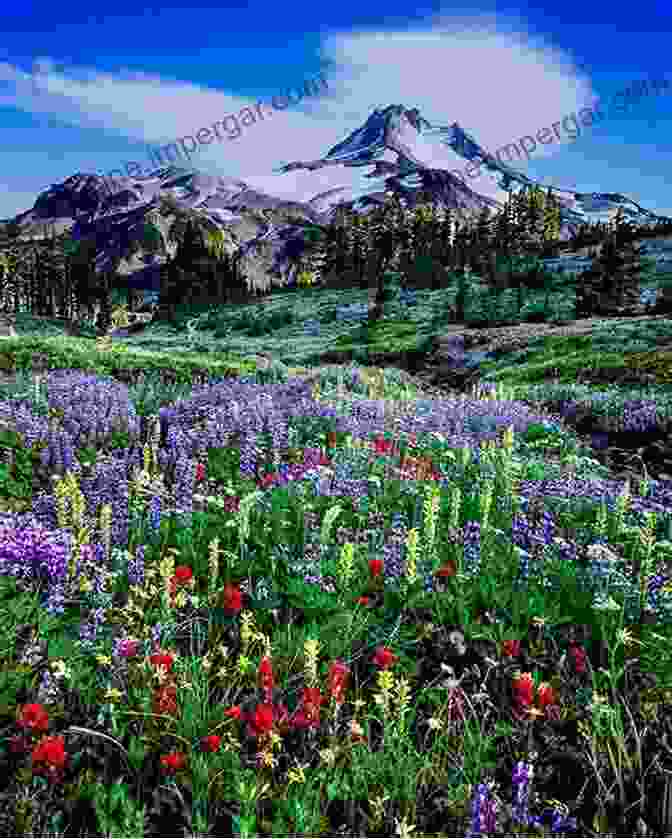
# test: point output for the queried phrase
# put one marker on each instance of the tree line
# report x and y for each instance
(56, 276)
(501, 249)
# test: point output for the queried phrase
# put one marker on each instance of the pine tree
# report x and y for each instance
(484, 239)
(446, 237)
(612, 284)
(421, 267)
(356, 243)
(621, 265)
(551, 219)
(534, 219)
(332, 255)
(460, 248)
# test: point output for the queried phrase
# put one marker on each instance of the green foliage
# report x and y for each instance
(87, 455)
(327, 315)
(535, 431)
(16, 481)
(258, 324)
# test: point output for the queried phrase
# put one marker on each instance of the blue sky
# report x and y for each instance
(87, 88)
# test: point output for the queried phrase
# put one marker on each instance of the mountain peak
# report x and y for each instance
(396, 149)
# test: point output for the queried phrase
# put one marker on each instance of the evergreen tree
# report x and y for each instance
(551, 219)
(446, 237)
(484, 241)
(422, 269)
(612, 284)
(534, 219)
(620, 263)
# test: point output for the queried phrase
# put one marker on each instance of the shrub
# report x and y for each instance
(327, 316)
(281, 318)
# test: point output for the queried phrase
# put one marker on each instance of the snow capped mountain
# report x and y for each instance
(418, 148)
(396, 149)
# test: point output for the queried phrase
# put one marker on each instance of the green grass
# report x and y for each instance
(305, 559)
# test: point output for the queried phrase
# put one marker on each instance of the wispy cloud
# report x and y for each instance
(497, 82)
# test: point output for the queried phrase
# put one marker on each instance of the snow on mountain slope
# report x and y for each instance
(419, 146)
(396, 149)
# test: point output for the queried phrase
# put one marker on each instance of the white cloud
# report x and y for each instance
(499, 84)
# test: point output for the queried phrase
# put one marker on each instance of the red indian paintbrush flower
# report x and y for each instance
(448, 569)
(339, 675)
(266, 676)
(233, 598)
(211, 743)
(578, 654)
(162, 660)
(308, 714)
(183, 573)
(49, 757)
(172, 762)
(260, 721)
(384, 658)
(511, 648)
(375, 566)
(383, 446)
(545, 695)
(165, 700)
(35, 717)
(267, 480)
(523, 688)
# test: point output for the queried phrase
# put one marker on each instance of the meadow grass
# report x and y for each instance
(369, 614)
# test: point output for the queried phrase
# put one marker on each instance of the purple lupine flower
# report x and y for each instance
(44, 509)
(87, 635)
(483, 811)
(157, 629)
(520, 777)
(472, 548)
(55, 600)
(136, 567)
(125, 648)
(393, 560)
(155, 513)
(311, 457)
(100, 592)
(562, 823)
(68, 454)
(279, 434)
(89, 631)
(185, 477)
(49, 689)
(99, 551)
